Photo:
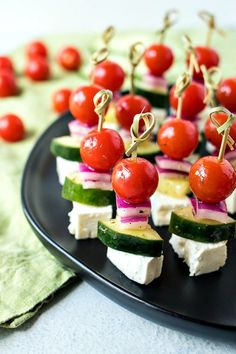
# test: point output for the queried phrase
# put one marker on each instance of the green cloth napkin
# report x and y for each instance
(29, 275)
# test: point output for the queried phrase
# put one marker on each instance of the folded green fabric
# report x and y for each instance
(29, 275)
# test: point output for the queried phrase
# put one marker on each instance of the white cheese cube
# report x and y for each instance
(84, 219)
(65, 167)
(231, 203)
(160, 115)
(163, 205)
(141, 269)
(200, 257)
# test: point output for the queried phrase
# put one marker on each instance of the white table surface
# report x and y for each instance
(80, 319)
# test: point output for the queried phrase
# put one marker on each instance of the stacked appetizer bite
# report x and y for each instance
(89, 187)
(177, 139)
(132, 245)
(158, 58)
(200, 232)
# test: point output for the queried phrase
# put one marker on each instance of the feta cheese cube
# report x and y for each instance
(84, 219)
(141, 269)
(160, 115)
(162, 206)
(65, 167)
(231, 203)
(200, 257)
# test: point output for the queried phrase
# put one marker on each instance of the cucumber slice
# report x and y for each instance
(183, 223)
(67, 147)
(143, 242)
(148, 150)
(174, 187)
(74, 191)
(157, 97)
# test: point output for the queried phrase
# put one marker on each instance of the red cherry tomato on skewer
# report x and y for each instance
(60, 100)
(211, 133)
(11, 128)
(158, 58)
(212, 180)
(134, 180)
(8, 86)
(102, 150)
(6, 64)
(178, 138)
(36, 49)
(226, 93)
(69, 58)
(193, 100)
(205, 56)
(109, 75)
(128, 106)
(82, 106)
(37, 69)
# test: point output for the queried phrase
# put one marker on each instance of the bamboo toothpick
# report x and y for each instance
(223, 129)
(212, 78)
(209, 19)
(191, 53)
(170, 18)
(101, 101)
(182, 83)
(135, 56)
(107, 35)
(149, 121)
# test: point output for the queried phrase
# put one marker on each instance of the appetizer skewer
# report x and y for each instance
(200, 233)
(132, 245)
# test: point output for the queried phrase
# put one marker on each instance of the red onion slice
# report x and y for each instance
(165, 162)
(203, 210)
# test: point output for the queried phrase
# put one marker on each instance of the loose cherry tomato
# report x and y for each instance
(37, 69)
(212, 180)
(6, 64)
(226, 93)
(158, 58)
(11, 128)
(129, 105)
(109, 75)
(60, 100)
(82, 106)
(205, 56)
(69, 58)
(134, 180)
(36, 49)
(211, 132)
(193, 98)
(8, 86)
(102, 150)
(178, 138)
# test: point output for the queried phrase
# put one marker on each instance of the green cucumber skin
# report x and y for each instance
(155, 99)
(66, 152)
(150, 157)
(201, 232)
(96, 197)
(128, 243)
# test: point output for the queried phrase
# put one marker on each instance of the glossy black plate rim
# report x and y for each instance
(107, 287)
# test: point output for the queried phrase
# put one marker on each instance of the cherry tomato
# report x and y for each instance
(211, 132)
(212, 180)
(158, 58)
(36, 49)
(226, 93)
(193, 98)
(8, 86)
(82, 106)
(129, 105)
(102, 150)
(69, 58)
(6, 64)
(37, 69)
(11, 128)
(60, 100)
(178, 138)
(109, 75)
(205, 56)
(134, 180)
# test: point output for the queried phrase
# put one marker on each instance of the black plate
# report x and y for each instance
(173, 298)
